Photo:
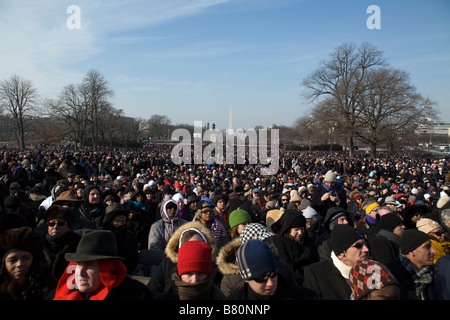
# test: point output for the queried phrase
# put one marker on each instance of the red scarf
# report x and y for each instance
(112, 272)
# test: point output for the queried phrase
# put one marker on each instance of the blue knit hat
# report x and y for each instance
(255, 259)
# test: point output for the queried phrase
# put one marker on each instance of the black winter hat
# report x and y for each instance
(334, 212)
(192, 198)
(292, 219)
(342, 237)
(411, 239)
(12, 202)
(389, 222)
(113, 210)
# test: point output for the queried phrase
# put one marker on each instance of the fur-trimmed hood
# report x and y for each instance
(171, 249)
(226, 260)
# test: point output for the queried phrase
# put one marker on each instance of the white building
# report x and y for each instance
(434, 127)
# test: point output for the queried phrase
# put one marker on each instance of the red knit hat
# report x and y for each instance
(195, 256)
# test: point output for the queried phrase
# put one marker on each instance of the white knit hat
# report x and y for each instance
(330, 176)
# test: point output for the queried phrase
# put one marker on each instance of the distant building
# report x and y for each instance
(434, 127)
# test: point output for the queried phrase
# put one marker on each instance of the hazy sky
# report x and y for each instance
(193, 59)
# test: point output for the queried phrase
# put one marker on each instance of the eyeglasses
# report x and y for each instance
(263, 279)
(57, 223)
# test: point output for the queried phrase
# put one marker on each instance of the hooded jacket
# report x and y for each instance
(94, 213)
(323, 242)
(163, 229)
(296, 254)
(126, 240)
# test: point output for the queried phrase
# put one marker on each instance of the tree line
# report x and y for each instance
(356, 98)
(82, 114)
(359, 96)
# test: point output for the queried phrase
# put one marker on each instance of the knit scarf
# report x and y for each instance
(139, 205)
(112, 272)
(193, 291)
(92, 210)
(389, 235)
(422, 277)
(342, 267)
(370, 220)
(56, 244)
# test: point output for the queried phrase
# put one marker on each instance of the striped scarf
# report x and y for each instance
(422, 277)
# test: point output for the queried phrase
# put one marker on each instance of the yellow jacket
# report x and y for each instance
(442, 249)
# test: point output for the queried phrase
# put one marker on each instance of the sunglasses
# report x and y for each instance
(205, 211)
(438, 233)
(359, 244)
(263, 279)
(57, 223)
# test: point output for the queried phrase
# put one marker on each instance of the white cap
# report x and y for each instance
(177, 196)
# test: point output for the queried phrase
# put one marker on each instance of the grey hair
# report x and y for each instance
(445, 215)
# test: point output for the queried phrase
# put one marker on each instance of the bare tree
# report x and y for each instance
(158, 125)
(389, 104)
(99, 93)
(18, 97)
(130, 130)
(72, 108)
(304, 129)
(340, 79)
(111, 124)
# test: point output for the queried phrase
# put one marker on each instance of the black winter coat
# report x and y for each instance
(127, 245)
(295, 254)
(326, 281)
(130, 289)
(284, 292)
(56, 248)
(407, 287)
(385, 247)
(322, 206)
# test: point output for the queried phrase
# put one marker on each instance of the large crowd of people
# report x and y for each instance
(130, 224)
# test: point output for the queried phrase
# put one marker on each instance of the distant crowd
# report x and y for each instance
(130, 224)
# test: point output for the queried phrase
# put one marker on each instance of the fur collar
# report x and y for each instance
(226, 261)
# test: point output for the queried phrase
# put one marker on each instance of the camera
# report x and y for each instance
(333, 193)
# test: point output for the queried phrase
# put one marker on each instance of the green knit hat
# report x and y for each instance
(237, 217)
